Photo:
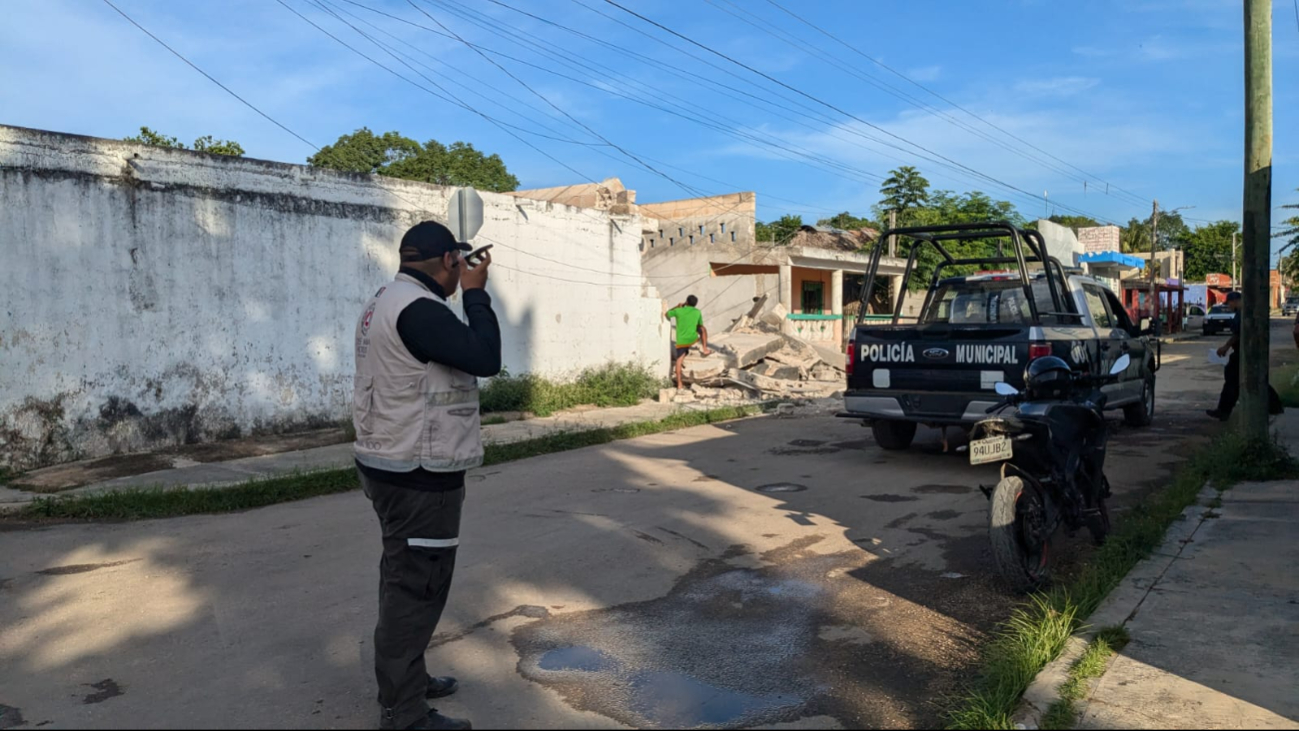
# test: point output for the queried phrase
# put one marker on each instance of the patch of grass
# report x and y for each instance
(1286, 382)
(8, 475)
(493, 420)
(1063, 713)
(141, 503)
(614, 384)
(1036, 632)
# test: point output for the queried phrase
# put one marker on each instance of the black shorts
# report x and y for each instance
(683, 351)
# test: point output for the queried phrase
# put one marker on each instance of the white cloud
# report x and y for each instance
(925, 73)
(1058, 86)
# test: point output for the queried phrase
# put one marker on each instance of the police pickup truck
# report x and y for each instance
(980, 328)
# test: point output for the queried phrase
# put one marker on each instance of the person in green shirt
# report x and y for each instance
(690, 329)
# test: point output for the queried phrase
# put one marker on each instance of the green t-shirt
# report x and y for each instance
(688, 321)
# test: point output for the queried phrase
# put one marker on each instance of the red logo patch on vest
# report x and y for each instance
(365, 323)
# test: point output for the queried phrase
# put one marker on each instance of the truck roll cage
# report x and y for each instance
(1001, 231)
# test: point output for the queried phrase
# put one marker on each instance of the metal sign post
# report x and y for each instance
(465, 214)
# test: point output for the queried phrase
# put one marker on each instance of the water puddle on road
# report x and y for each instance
(584, 659)
(675, 700)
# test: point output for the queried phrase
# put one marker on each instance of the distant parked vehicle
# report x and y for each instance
(1290, 307)
(1194, 318)
(1217, 320)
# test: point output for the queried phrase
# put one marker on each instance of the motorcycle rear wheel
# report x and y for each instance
(1017, 530)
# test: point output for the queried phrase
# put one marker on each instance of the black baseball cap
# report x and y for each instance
(1233, 296)
(429, 240)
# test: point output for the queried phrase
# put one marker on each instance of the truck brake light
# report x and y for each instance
(1038, 350)
(852, 348)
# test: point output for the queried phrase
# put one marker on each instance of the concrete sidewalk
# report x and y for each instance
(1213, 617)
(337, 456)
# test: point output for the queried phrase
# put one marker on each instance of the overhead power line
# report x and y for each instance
(917, 84)
(946, 161)
(209, 77)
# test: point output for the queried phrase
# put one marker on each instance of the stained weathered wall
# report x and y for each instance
(155, 296)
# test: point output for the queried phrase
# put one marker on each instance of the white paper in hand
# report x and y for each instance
(1216, 359)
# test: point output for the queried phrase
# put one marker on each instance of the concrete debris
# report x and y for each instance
(744, 349)
(775, 316)
(774, 369)
(756, 360)
(747, 320)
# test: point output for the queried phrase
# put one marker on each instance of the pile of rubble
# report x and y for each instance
(754, 358)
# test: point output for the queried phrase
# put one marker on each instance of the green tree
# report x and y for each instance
(397, 156)
(1207, 249)
(205, 143)
(1074, 222)
(904, 191)
(947, 207)
(1290, 233)
(1135, 237)
(218, 147)
(847, 222)
(779, 231)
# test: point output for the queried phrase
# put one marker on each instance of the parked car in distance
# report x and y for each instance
(1290, 306)
(1217, 320)
(1194, 318)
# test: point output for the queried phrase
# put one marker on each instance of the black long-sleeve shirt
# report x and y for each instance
(433, 333)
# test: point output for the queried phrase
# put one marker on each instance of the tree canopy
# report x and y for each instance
(847, 222)
(904, 191)
(1207, 249)
(206, 143)
(780, 230)
(397, 156)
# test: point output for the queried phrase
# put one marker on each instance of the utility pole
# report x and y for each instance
(1257, 218)
(893, 239)
(1235, 275)
(1154, 294)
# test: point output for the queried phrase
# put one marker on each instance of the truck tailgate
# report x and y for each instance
(938, 358)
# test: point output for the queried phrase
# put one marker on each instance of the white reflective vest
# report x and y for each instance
(409, 414)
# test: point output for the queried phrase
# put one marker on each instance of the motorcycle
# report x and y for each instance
(1052, 446)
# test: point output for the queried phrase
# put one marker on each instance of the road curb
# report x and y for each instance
(1122, 604)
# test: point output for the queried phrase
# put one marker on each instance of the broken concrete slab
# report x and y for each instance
(747, 319)
(761, 382)
(666, 395)
(701, 368)
(772, 369)
(744, 349)
(825, 372)
(776, 316)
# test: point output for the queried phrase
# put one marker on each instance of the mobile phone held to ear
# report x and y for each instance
(476, 256)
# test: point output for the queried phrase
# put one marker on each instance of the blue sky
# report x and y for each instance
(1143, 95)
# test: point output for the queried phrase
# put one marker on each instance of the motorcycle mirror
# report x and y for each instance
(1121, 364)
(1005, 389)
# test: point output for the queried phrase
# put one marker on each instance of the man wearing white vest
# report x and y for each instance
(415, 408)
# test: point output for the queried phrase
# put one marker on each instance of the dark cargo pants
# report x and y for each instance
(420, 533)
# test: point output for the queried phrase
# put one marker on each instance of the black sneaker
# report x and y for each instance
(441, 687)
(435, 720)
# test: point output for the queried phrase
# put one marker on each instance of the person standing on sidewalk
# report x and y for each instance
(415, 409)
(1231, 373)
(690, 330)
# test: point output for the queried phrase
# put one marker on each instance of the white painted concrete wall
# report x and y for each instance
(1061, 242)
(155, 296)
(680, 271)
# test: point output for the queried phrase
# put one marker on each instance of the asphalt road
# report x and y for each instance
(778, 571)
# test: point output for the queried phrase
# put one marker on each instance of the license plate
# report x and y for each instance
(992, 449)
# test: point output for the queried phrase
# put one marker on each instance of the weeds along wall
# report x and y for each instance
(153, 296)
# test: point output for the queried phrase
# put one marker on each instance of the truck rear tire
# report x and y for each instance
(893, 435)
(1142, 413)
